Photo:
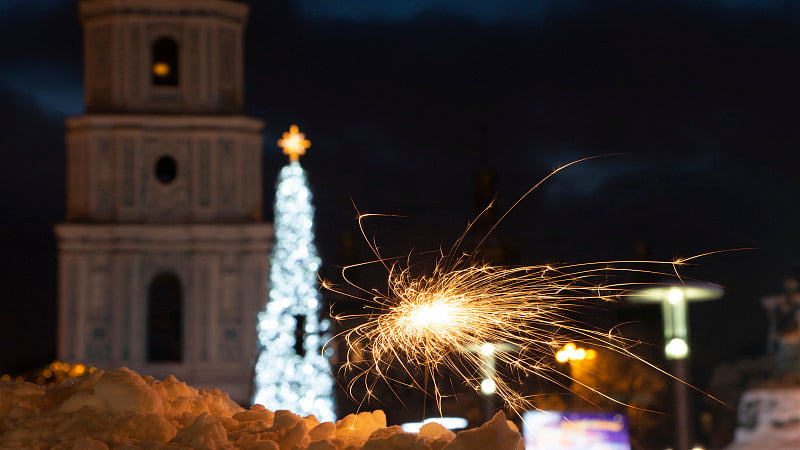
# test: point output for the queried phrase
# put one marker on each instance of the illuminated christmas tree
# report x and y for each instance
(291, 372)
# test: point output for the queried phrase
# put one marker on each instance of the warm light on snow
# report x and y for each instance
(120, 408)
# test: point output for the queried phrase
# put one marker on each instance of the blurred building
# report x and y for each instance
(761, 394)
(485, 239)
(163, 255)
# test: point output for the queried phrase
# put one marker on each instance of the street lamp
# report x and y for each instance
(571, 352)
(579, 360)
(488, 386)
(674, 306)
(674, 300)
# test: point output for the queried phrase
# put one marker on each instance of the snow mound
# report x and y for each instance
(122, 409)
(768, 419)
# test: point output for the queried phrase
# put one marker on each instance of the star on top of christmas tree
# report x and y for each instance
(294, 143)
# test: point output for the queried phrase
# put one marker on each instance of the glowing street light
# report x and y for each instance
(675, 308)
(571, 352)
(674, 300)
(451, 423)
(575, 356)
(487, 352)
(488, 386)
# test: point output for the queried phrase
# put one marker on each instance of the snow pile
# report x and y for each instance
(769, 418)
(122, 409)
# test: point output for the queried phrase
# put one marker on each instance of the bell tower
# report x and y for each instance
(163, 257)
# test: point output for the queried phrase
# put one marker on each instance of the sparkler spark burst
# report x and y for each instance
(427, 329)
(443, 322)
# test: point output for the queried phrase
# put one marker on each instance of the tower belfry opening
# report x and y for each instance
(165, 62)
(163, 256)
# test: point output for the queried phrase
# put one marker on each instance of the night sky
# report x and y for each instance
(696, 99)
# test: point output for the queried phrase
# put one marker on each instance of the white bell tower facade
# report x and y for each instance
(163, 257)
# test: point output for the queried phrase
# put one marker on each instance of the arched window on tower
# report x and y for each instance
(165, 62)
(165, 319)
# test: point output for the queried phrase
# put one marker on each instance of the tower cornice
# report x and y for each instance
(164, 122)
(253, 237)
(226, 9)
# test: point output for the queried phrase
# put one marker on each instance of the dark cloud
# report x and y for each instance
(506, 12)
(41, 57)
